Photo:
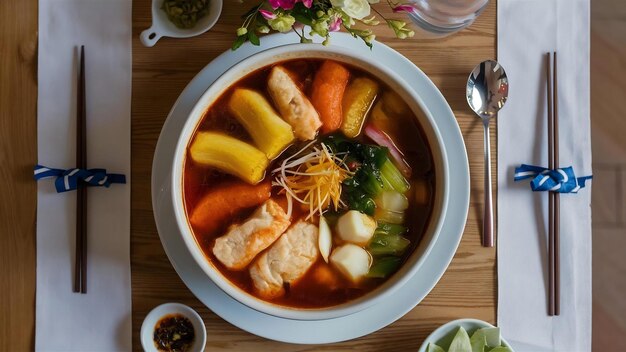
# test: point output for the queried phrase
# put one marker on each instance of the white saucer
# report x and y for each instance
(321, 331)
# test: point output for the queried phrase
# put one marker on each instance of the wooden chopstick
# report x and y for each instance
(554, 214)
(557, 202)
(80, 270)
(551, 268)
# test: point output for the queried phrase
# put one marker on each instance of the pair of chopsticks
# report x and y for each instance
(80, 264)
(554, 289)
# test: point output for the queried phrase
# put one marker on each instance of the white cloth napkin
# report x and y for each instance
(101, 319)
(527, 29)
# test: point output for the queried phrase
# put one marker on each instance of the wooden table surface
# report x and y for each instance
(467, 289)
(18, 155)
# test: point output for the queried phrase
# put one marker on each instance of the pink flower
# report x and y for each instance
(289, 4)
(268, 15)
(404, 8)
(335, 24)
(283, 4)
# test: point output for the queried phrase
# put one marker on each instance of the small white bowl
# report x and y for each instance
(149, 323)
(163, 27)
(443, 335)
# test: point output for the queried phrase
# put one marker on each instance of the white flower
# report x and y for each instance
(358, 9)
(373, 1)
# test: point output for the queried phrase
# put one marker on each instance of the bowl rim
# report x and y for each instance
(303, 51)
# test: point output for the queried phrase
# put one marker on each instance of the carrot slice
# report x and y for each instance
(216, 207)
(327, 94)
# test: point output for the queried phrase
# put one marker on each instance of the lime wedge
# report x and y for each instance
(501, 349)
(461, 342)
(434, 348)
(478, 341)
(492, 335)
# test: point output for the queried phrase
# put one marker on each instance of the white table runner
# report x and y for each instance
(527, 29)
(101, 319)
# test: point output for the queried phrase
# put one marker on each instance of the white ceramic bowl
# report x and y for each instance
(150, 321)
(443, 335)
(163, 27)
(368, 64)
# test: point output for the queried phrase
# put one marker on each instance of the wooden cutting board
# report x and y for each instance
(468, 288)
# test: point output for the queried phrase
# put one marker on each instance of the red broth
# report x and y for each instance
(312, 291)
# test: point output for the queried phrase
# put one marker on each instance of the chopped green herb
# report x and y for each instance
(185, 13)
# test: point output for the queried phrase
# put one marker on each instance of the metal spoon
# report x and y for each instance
(486, 92)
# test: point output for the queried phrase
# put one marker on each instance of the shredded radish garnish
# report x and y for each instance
(313, 179)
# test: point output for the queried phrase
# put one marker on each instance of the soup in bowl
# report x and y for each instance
(309, 182)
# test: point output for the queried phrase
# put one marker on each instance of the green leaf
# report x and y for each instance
(254, 39)
(302, 14)
(239, 42)
(434, 348)
(302, 19)
(461, 342)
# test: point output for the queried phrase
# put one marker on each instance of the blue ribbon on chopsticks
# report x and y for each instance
(67, 180)
(562, 180)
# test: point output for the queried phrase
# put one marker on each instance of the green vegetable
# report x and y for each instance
(461, 342)
(384, 266)
(391, 173)
(374, 173)
(371, 183)
(388, 245)
(434, 348)
(361, 202)
(388, 240)
(185, 13)
(387, 186)
(390, 229)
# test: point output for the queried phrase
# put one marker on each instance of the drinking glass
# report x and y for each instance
(439, 18)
